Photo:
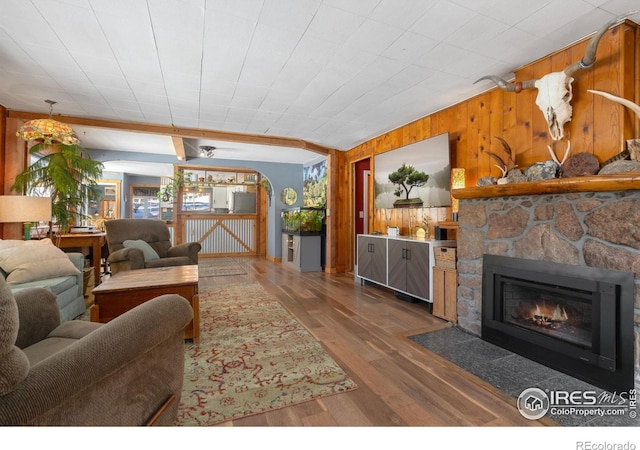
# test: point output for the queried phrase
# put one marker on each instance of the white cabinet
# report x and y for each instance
(401, 263)
(220, 199)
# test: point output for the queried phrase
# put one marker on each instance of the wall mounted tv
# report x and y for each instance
(430, 156)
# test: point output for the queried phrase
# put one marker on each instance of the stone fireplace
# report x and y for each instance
(575, 319)
(588, 229)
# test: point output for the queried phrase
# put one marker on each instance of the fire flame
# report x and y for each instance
(557, 314)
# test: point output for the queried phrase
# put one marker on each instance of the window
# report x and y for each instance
(145, 204)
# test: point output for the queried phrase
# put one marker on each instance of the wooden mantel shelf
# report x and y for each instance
(595, 183)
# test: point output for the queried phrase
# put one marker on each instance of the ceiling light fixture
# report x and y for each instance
(206, 151)
(48, 131)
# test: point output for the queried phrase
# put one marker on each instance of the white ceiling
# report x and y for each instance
(331, 72)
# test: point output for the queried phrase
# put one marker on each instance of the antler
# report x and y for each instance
(504, 167)
(566, 154)
(623, 101)
(511, 161)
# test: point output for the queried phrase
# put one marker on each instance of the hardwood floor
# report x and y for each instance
(365, 328)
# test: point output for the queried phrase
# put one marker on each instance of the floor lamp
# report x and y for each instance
(20, 208)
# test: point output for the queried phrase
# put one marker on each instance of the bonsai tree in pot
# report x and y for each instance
(405, 179)
(67, 174)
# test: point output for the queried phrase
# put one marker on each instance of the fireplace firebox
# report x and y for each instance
(575, 319)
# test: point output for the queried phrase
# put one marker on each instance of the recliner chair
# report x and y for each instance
(129, 371)
(156, 235)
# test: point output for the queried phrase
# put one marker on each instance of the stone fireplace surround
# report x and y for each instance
(599, 229)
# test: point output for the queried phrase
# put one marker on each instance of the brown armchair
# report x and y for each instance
(129, 371)
(156, 234)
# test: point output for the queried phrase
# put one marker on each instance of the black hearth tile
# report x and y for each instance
(512, 373)
(474, 354)
(564, 382)
(515, 373)
(438, 340)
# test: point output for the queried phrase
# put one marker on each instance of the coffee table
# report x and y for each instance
(128, 289)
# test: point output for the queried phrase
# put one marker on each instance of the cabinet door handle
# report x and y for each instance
(408, 253)
(370, 248)
(404, 253)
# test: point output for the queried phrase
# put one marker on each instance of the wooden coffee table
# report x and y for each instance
(128, 289)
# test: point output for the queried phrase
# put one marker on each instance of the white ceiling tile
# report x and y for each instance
(269, 51)
(511, 13)
(373, 36)
(228, 38)
(442, 20)
(240, 115)
(402, 14)
(361, 7)
(277, 101)
(409, 47)
(310, 56)
(553, 16)
(442, 56)
(334, 24)
(213, 112)
(477, 32)
(76, 27)
(245, 9)
(333, 72)
(288, 14)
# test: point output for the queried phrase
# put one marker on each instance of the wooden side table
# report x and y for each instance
(95, 241)
(126, 290)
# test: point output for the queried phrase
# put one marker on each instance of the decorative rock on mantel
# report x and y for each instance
(597, 229)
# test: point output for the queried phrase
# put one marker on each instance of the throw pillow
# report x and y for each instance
(34, 260)
(149, 253)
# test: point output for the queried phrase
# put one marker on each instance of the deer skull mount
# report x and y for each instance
(554, 89)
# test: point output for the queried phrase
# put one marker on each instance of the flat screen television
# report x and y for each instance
(430, 156)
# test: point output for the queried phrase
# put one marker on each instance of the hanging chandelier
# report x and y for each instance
(48, 131)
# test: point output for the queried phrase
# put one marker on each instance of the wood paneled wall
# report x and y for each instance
(13, 159)
(598, 126)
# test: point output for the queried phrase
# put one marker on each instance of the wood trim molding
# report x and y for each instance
(594, 183)
(198, 133)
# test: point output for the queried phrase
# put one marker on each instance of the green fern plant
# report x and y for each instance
(67, 174)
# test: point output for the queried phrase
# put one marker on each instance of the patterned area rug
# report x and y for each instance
(218, 267)
(253, 357)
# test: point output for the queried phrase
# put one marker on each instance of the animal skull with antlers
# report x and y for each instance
(554, 89)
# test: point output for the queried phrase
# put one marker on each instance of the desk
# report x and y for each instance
(95, 241)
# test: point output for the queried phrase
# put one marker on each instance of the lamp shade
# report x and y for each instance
(21, 208)
(48, 131)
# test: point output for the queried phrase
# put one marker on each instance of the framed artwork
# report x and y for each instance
(427, 167)
(110, 191)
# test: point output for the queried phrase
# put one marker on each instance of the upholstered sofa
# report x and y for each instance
(129, 371)
(144, 243)
(38, 263)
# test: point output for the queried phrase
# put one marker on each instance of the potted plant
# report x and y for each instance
(67, 174)
(168, 192)
(406, 178)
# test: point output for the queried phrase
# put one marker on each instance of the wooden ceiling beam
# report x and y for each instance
(194, 133)
(178, 145)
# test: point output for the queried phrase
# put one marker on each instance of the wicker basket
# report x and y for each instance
(445, 257)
